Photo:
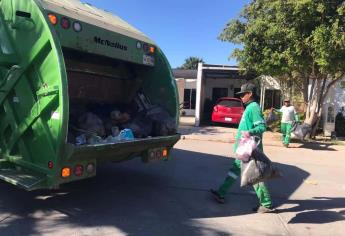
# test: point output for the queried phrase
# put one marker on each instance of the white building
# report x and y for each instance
(199, 89)
(334, 103)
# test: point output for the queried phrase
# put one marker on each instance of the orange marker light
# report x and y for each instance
(52, 18)
(66, 172)
(165, 153)
(152, 49)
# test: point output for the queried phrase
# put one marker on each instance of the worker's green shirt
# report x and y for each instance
(252, 121)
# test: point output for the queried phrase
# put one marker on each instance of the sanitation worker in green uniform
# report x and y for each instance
(252, 123)
(289, 116)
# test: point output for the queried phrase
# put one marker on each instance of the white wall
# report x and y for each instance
(335, 99)
(181, 84)
(340, 95)
(190, 83)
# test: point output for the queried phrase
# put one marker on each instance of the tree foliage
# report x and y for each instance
(191, 63)
(301, 39)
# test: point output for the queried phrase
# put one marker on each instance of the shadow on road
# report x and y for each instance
(316, 210)
(163, 198)
(318, 146)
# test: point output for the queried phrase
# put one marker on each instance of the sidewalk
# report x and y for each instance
(226, 134)
(216, 133)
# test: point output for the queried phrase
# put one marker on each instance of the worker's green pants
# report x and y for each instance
(286, 131)
(260, 188)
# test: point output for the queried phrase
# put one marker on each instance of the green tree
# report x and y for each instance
(191, 63)
(303, 40)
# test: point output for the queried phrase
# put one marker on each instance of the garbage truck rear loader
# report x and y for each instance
(78, 86)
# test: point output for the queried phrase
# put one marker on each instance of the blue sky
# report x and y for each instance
(181, 28)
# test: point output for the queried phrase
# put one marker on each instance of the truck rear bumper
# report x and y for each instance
(82, 156)
(116, 152)
(123, 150)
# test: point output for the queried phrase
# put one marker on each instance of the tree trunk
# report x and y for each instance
(314, 97)
(318, 111)
(305, 92)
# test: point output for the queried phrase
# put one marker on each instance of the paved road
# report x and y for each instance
(172, 198)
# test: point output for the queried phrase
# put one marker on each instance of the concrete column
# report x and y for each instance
(262, 93)
(198, 95)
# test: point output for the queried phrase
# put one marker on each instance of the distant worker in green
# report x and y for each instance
(252, 123)
(289, 116)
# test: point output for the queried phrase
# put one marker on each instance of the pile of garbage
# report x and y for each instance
(102, 124)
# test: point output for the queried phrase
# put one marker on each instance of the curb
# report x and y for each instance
(203, 138)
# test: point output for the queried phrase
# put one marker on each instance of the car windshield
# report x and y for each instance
(230, 103)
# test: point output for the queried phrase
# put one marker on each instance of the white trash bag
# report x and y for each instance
(245, 148)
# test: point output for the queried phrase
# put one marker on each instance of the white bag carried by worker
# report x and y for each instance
(245, 148)
(301, 131)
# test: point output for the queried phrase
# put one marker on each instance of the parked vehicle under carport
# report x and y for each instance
(228, 110)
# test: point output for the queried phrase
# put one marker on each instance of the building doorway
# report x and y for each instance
(189, 101)
(219, 93)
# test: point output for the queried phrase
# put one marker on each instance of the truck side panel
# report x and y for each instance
(33, 104)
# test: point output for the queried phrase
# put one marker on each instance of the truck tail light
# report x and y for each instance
(77, 26)
(152, 50)
(152, 155)
(148, 49)
(52, 18)
(158, 154)
(65, 23)
(165, 153)
(90, 168)
(145, 47)
(65, 172)
(50, 164)
(78, 170)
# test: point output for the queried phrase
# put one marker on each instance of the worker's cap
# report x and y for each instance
(247, 88)
(286, 99)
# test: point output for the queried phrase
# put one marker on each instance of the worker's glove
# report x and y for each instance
(245, 134)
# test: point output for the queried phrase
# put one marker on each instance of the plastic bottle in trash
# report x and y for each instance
(80, 140)
(126, 134)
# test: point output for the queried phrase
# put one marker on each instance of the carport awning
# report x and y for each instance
(223, 74)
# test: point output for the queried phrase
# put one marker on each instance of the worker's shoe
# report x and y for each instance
(263, 209)
(217, 196)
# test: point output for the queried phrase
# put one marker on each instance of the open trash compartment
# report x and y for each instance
(79, 86)
(122, 105)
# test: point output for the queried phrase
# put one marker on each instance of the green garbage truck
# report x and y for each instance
(78, 87)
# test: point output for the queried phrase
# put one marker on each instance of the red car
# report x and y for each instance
(228, 110)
